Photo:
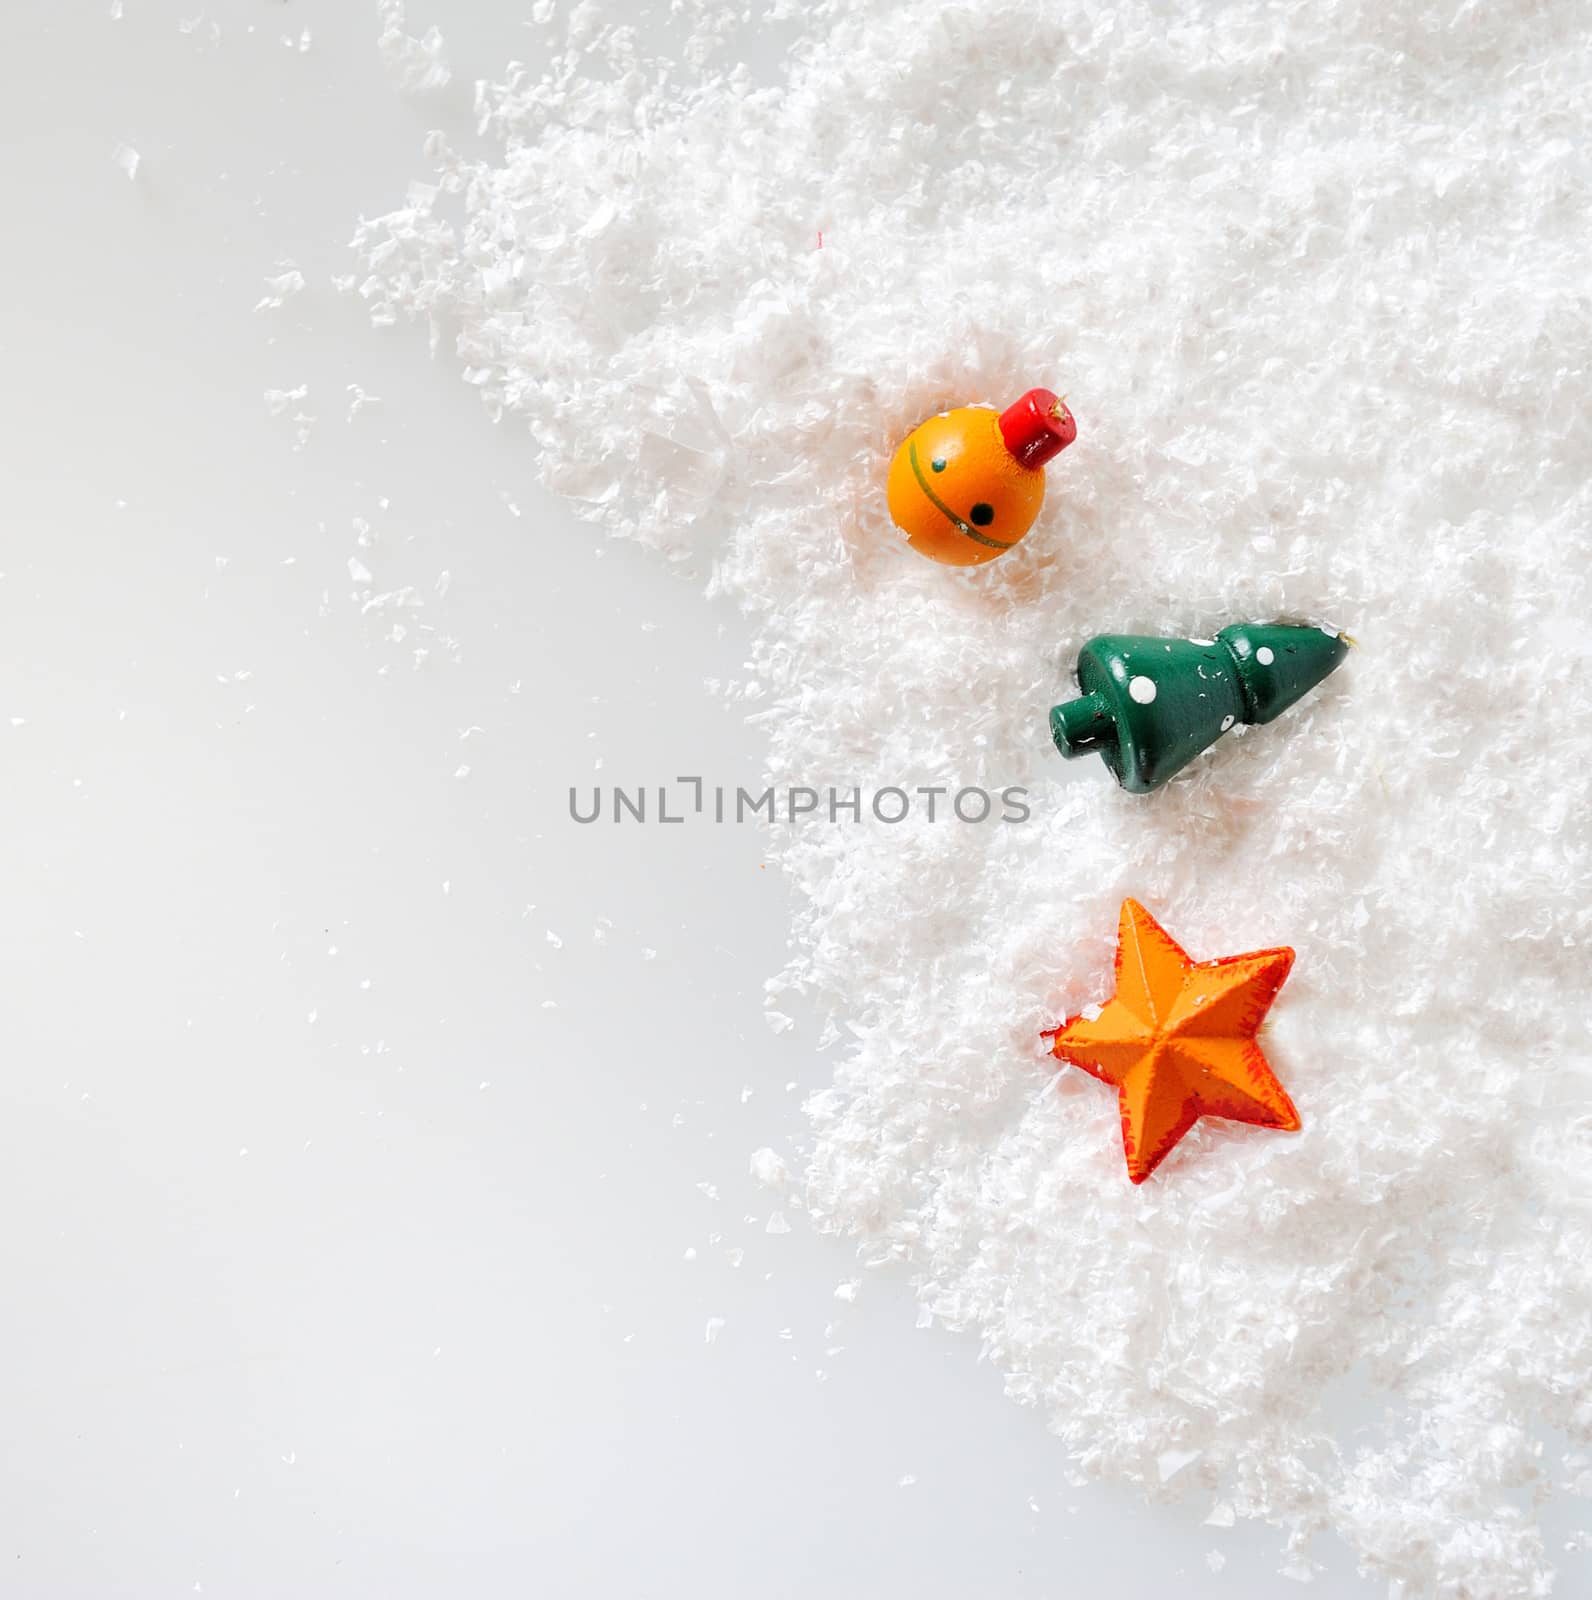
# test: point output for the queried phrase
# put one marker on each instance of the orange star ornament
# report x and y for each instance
(1177, 1040)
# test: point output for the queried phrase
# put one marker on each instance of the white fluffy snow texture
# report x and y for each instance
(1314, 279)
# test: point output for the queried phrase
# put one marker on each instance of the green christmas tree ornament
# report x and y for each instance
(1149, 706)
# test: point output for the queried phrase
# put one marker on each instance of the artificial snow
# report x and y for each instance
(417, 65)
(282, 402)
(769, 1169)
(281, 286)
(1314, 281)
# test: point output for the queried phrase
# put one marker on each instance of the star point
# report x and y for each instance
(1177, 1040)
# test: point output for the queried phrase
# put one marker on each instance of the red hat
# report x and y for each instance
(1037, 427)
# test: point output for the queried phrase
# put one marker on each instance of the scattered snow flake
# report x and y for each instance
(417, 66)
(127, 158)
(710, 1333)
(281, 287)
(769, 1169)
(280, 401)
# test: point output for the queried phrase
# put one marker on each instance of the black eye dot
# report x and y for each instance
(981, 515)
(938, 463)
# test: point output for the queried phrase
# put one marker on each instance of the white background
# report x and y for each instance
(347, 1217)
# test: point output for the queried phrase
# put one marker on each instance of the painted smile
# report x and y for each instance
(959, 523)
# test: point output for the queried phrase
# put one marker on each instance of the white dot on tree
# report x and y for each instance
(1142, 690)
(1265, 656)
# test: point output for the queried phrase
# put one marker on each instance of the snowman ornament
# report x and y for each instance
(965, 486)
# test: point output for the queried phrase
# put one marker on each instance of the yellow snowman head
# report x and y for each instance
(966, 485)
